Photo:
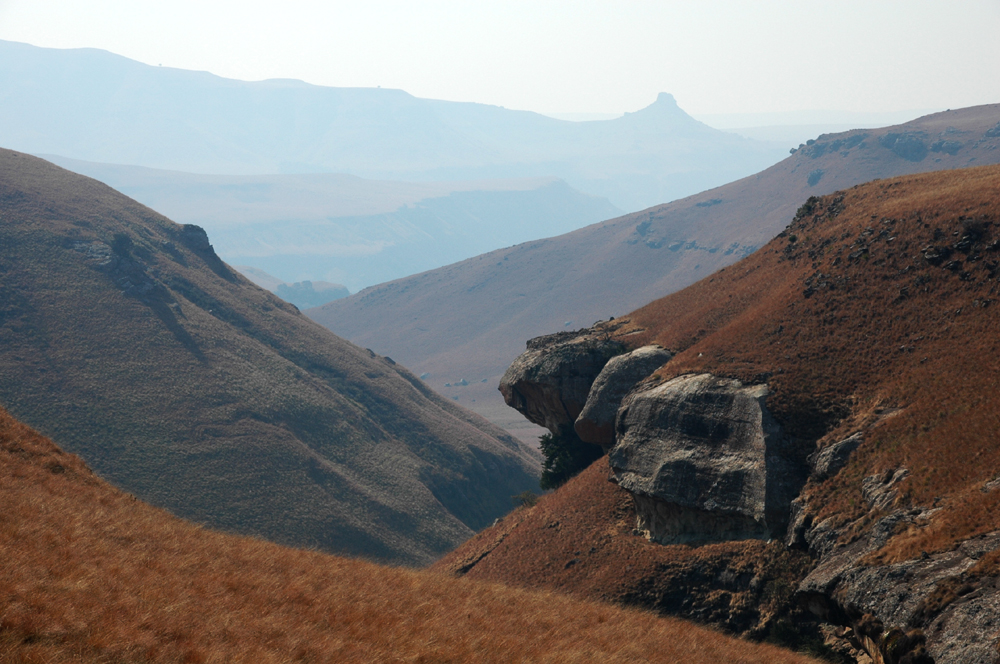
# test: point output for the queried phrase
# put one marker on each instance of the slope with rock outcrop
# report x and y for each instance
(91, 574)
(125, 335)
(865, 333)
(472, 318)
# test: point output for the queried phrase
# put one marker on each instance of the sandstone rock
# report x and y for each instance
(550, 381)
(880, 491)
(909, 145)
(957, 612)
(705, 460)
(195, 238)
(829, 461)
(596, 423)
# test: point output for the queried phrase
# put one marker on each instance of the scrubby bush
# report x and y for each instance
(565, 456)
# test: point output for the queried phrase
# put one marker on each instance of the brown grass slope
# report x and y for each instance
(91, 574)
(877, 299)
(124, 335)
(853, 328)
(470, 320)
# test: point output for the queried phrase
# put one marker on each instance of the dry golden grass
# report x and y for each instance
(92, 574)
(886, 330)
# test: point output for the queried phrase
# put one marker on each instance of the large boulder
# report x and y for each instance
(596, 422)
(550, 381)
(705, 461)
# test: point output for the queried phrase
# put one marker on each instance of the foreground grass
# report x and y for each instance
(92, 574)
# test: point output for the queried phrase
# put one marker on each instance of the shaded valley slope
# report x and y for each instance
(869, 327)
(123, 334)
(471, 319)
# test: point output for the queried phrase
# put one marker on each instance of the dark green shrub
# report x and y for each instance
(565, 456)
(526, 498)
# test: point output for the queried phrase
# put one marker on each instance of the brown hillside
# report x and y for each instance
(875, 310)
(874, 303)
(471, 319)
(123, 334)
(91, 574)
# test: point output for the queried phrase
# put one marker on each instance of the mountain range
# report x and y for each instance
(468, 321)
(125, 112)
(350, 230)
(124, 334)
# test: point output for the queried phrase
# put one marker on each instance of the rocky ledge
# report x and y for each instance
(550, 381)
(596, 422)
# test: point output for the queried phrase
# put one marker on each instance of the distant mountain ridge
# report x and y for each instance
(471, 319)
(180, 381)
(350, 230)
(126, 112)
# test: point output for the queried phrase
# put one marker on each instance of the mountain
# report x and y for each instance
(125, 112)
(821, 439)
(126, 336)
(93, 575)
(348, 229)
(471, 319)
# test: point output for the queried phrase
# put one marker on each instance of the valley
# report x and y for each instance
(124, 334)
(308, 355)
(471, 319)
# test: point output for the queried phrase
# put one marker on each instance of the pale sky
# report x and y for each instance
(575, 56)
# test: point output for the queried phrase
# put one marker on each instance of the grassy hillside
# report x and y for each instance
(91, 574)
(874, 311)
(125, 335)
(471, 319)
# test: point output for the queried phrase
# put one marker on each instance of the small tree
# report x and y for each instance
(565, 456)
(526, 498)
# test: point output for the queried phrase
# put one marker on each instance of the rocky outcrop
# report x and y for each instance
(935, 605)
(829, 461)
(596, 422)
(705, 461)
(550, 381)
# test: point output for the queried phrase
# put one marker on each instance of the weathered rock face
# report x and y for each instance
(705, 461)
(957, 612)
(828, 461)
(596, 423)
(549, 382)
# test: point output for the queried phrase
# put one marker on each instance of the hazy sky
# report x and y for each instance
(554, 56)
